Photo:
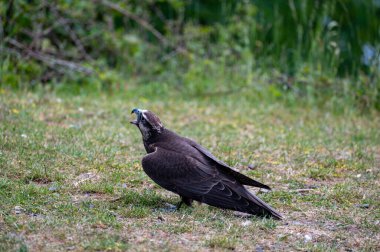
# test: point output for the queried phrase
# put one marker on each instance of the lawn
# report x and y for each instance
(71, 177)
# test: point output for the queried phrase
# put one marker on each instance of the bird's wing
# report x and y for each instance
(227, 169)
(191, 178)
(168, 169)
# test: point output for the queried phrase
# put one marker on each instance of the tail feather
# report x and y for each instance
(257, 206)
(267, 209)
(239, 199)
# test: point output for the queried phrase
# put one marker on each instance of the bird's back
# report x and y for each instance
(182, 168)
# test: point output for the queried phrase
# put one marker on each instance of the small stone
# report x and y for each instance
(307, 238)
(246, 223)
(24, 136)
(362, 205)
(263, 190)
(313, 186)
(296, 223)
(53, 188)
(74, 126)
(252, 166)
(259, 249)
(18, 209)
(37, 216)
(170, 207)
(358, 176)
(241, 215)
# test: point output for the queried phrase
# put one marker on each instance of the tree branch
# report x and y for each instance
(135, 18)
(48, 60)
(143, 23)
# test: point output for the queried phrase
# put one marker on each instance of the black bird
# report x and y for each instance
(182, 166)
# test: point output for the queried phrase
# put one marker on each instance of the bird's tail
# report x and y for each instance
(264, 209)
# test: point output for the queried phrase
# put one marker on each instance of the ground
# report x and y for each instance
(71, 176)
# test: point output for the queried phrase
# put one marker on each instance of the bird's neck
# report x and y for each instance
(157, 138)
(150, 140)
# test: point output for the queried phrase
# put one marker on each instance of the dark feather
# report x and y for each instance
(227, 169)
(184, 167)
(190, 178)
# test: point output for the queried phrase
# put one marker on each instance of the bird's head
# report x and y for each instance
(148, 123)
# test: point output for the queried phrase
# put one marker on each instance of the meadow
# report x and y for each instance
(71, 177)
(287, 92)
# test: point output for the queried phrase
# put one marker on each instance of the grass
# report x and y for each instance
(71, 179)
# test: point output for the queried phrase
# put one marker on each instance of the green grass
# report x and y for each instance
(71, 179)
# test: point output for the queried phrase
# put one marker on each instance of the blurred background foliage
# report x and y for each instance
(284, 49)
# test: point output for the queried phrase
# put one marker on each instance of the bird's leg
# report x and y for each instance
(185, 200)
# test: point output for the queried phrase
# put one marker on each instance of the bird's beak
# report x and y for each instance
(138, 114)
